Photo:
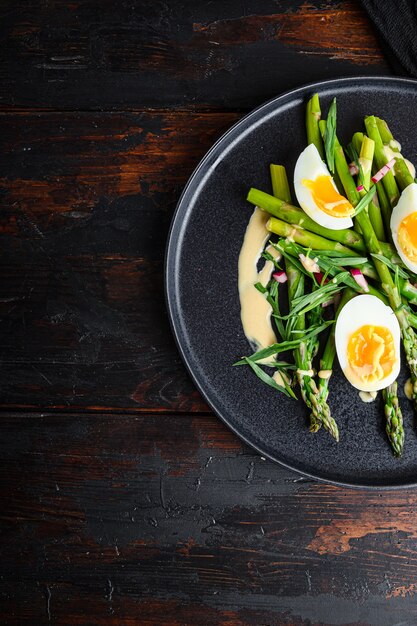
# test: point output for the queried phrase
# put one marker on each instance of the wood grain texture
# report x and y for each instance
(169, 520)
(123, 500)
(107, 55)
(85, 208)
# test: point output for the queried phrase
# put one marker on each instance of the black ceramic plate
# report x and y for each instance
(201, 286)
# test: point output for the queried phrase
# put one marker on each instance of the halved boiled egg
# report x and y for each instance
(317, 193)
(404, 227)
(368, 343)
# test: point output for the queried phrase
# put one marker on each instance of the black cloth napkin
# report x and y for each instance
(396, 22)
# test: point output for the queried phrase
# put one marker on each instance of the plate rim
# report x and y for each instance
(169, 266)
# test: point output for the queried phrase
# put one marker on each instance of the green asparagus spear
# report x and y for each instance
(329, 352)
(293, 215)
(380, 158)
(392, 410)
(401, 171)
(313, 115)
(402, 174)
(357, 140)
(394, 419)
(385, 134)
(280, 185)
(365, 158)
(306, 238)
(320, 411)
(409, 337)
(384, 206)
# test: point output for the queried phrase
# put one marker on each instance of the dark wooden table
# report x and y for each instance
(123, 499)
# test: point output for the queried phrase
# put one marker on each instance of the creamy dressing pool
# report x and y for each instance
(255, 311)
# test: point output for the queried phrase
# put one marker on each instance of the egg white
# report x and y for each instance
(360, 311)
(406, 205)
(310, 165)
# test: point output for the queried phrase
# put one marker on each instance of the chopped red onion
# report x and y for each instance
(360, 188)
(353, 169)
(359, 278)
(319, 278)
(383, 171)
(280, 277)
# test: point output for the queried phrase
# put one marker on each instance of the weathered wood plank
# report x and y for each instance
(170, 520)
(107, 55)
(85, 208)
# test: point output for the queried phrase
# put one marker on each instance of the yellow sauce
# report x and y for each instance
(325, 374)
(408, 389)
(255, 311)
(368, 396)
(279, 378)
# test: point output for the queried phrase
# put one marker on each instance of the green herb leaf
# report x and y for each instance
(328, 264)
(268, 380)
(284, 346)
(350, 261)
(307, 302)
(273, 299)
(363, 202)
(275, 348)
(329, 253)
(390, 264)
(283, 365)
(330, 135)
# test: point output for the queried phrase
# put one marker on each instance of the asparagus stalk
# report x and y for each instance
(366, 157)
(385, 134)
(357, 141)
(313, 115)
(293, 215)
(329, 352)
(392, 411)
(320, 411)
(384, 206)
(401, 171)
(394, 419)
(306, 238)
(409, 337)
(393, 415)
(380, 158)
(280, 185)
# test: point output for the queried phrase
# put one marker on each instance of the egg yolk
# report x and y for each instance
(327, 198)
(407, 236)
(371, 353)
